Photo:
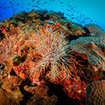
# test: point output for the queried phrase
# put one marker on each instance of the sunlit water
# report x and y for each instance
(79, 11)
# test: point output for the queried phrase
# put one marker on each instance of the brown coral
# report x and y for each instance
(35, 100)
(11, 86)
(95, 93)
(5, 100)
(40, 95)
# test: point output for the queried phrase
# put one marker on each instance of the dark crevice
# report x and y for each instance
(62, 99)
(13, 72)
(26, 94)
(71, 37)
(2, 66)
(86, 30)
(2, 36)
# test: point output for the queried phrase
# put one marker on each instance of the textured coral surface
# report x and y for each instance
(96, 93)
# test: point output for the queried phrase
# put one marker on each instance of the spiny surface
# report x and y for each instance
(54, 54)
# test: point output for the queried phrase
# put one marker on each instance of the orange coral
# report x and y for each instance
(11, 86)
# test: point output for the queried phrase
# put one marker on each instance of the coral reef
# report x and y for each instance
(39, 47)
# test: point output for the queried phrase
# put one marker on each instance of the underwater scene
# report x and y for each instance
(52, 52)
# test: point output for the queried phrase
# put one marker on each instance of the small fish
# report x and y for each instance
(51, 0)
(44, 2)
(61, 2)
(17, 4)
(67, 14)
(68, 9)
(29, 4)
(38, 1)
(32, 0)
(10, 2)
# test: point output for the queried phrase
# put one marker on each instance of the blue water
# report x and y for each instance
(79, 11)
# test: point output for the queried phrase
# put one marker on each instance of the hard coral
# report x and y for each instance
(5, 100)
(95, 93)
(93, 48)
(40, 90)
(35, 100)
(40, 95)
(11, 86)
(94, 30)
